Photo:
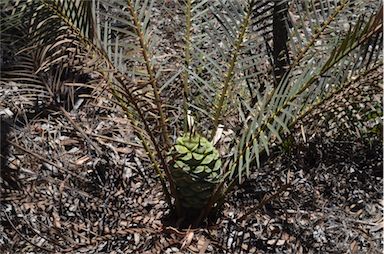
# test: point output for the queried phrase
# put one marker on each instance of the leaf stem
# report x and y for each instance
(325, 25)
(231, 70)
(123, 105)
(150, 71)
(187, 61)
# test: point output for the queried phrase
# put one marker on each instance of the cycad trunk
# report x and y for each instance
(280, 38)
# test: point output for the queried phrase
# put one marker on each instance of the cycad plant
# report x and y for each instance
(248, 68)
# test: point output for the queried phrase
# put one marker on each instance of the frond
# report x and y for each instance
(216, 41)
(62, 35)
(226, 59)
(299, 91)
(126, 38)
(47, 49)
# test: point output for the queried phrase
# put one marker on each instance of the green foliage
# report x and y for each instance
(288, 144)
(229, 76)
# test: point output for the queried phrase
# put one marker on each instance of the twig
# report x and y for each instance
(77, 127)
(39, 157)
(114, 139)
(265, 200)
(172, 230)
(22, 236)
(53, 241)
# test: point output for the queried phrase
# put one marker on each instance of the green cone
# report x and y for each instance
(195, 168)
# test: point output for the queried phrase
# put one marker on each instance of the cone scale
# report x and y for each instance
(195, 169)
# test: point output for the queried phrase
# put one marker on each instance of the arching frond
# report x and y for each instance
(299, 91)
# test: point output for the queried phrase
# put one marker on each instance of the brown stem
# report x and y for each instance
(149, 67)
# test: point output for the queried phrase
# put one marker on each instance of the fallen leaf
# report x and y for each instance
(377, 227)
(56, 219)
(67, 142)
(354, 247)
(125, 150)
(187, 240)
(82, 160)
(136, 237)
(202, 244)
